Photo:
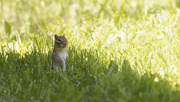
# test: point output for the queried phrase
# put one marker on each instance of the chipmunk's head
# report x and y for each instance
(60, 41)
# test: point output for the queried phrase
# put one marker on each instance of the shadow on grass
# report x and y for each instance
(88, 78)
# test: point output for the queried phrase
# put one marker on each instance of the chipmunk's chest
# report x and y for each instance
(63, 55)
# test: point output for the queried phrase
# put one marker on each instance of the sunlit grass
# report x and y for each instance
(119, 50)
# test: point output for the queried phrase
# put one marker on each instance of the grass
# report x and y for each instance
(119, 50)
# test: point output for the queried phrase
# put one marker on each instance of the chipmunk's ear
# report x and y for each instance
(64, 35)
(55, 36)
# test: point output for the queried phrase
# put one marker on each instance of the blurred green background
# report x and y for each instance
(120, 50)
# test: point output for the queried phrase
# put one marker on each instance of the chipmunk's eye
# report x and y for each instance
(59, 40)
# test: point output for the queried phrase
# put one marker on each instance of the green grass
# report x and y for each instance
(120, 50)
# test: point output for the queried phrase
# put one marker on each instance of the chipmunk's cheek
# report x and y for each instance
(59, 45)
(62, 46)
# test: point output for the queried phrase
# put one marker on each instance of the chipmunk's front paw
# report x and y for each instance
(67, 58)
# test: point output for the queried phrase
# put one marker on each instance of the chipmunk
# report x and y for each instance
(60, 53)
